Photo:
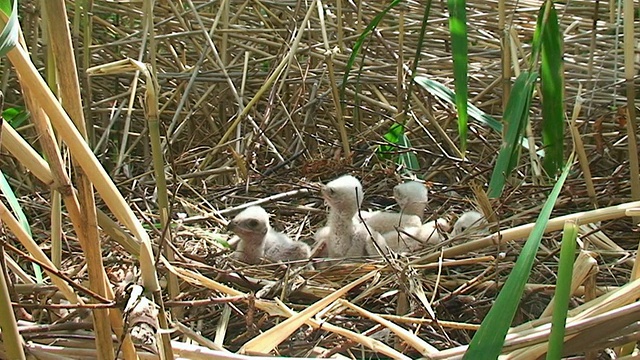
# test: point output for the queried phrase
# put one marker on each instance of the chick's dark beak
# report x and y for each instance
(232, 225)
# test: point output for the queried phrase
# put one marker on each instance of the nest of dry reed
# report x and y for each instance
(289, 141)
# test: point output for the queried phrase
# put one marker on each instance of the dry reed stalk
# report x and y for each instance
(340, 116)
(56, 198)
(282, 310)
(629, 74)
(77, 215)
(70, 92)
(536, 288)
(579, 148)
(16, 145)
(12, 341)
(445, 324)
(423, 347)
(267, 341)
(12, 223)
(73, 139)
(522, 231)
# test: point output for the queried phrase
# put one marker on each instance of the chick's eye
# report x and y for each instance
(252, 223)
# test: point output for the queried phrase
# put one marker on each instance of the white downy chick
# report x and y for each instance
(412, 198)
(468, 220)
(408, 233)
(346, 237)
(321, 238)
(258, 239)
(411, 239)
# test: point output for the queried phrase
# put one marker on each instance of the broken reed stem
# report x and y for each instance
(505, 53)
(62, 48)
(401, 115)
(82, 154)
(335, 92)
(151, 110)
(12, 341)
(90, 244)
(629, 73)
(56, 199)
(27, 156)
(578, 147)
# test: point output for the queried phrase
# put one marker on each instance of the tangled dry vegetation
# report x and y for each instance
(279, 59)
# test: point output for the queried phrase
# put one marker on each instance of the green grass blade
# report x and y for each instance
(459, 46)
(14, 204)
(393, 137)
(421, 34)
(407, 158)
(443, 93)
(536, 43)
(9, 35)
(516, 116)
(398, 141)
(552, 84)
(358, 45)
(16, 116)
(6, 189)
(5, 6)
(488, 341)
(563, 291)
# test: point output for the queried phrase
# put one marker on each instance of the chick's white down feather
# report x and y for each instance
(258, 239)
(414, 238)
(346, 237)
(468, 220)
(410, 234)
(412, 198)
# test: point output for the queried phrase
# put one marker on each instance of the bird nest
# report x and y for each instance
(440, 300)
